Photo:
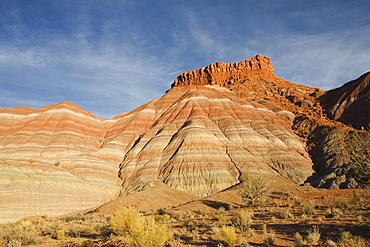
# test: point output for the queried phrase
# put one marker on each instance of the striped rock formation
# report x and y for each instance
(209, 131)
(48, 163)
(204, 139)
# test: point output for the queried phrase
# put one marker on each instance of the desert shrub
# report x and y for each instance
(357, 149)
(50, 229)
(358, 198)
(19, 234)
(138, 230)
(60, 234)
(333, 211)
(269, 239)
(229, 236)
(161, 217)
(339, 202)
(254, 190)
(161, 211)
(220, 217)
(297, 200)
(74, 230)
(299, 241)
(311, 238)
(348, 240)
(242, 220)
(283, 213)
(313, 235)
(309, 208)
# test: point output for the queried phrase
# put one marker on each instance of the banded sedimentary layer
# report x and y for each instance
(214, 127)
(48, 162)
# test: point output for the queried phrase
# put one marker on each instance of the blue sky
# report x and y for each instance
(111, 56)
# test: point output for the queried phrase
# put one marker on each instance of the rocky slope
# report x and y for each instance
(350, 103)
(214, 127)
(47, 162)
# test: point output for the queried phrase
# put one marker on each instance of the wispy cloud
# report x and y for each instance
(111, 57)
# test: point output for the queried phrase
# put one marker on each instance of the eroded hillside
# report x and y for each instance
(215, 126)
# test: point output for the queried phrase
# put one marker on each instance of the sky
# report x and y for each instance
(111, 56)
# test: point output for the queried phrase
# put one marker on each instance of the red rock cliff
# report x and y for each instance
(221, 73)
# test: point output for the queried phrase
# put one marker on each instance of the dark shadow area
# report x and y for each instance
(216, 205)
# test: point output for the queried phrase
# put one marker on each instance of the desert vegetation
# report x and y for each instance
(318, 218)
(357, 149)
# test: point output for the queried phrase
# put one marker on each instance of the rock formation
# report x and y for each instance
(350, 103)
(47, 162)
(223, 74)
(204, 139)
(214, 127)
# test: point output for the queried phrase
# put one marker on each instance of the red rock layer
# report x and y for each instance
(223, 74)
(350, 103)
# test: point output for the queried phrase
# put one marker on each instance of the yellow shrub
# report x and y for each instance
(229, 236)
(139, 231)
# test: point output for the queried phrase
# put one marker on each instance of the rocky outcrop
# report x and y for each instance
(224, 74)
(350, 103)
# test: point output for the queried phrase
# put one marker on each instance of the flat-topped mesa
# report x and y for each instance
(222, 74)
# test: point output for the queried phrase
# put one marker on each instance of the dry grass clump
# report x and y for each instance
(283, 213)
(340, 203)
(309, 208)
(348, 240)
(337, 206)
(138, 230)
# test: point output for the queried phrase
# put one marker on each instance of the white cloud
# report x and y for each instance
(107, 75)
(108, 65)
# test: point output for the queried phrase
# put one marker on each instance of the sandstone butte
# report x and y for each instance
(215, 126)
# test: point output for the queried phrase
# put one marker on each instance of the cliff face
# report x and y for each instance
(223, 74)
(350, 103)
(215, 126)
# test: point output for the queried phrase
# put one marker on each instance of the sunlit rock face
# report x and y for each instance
(223, 74)
(203, 139)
